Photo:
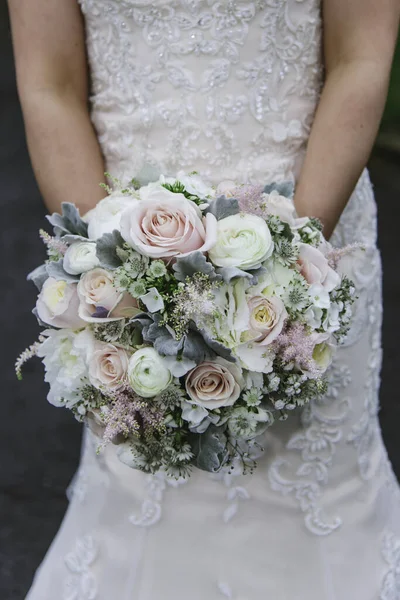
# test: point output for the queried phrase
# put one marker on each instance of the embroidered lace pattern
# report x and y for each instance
(391, 553)
(81, 583)
(189, 92)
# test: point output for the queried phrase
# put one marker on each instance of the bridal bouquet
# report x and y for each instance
(182, 320)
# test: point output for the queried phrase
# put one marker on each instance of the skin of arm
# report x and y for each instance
(52, 79)
(359, 42)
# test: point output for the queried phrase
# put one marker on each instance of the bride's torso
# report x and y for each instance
(227, 88)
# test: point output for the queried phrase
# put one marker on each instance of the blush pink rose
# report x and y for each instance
(100, 301)
(166, 225)
(213, 384)
(58, 304)
(267, 317)
(108, 366)
(315, 268)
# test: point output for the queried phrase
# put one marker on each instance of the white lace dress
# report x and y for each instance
(229, 88)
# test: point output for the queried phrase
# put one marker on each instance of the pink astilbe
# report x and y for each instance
(336, 254)
(295, 345)
(129, 414)
(250, 199)
(52, 243)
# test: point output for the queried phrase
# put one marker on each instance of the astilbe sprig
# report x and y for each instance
(249, 198)
(56, 248)
(26, 355)
(128, 414)
(295, 345)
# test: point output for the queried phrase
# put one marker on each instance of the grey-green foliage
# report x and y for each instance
(38, 276)
(209, 449)
(195, 262)
(107, 249)
(284, 188)
(56, 270)
(69, 222)
(223, 207)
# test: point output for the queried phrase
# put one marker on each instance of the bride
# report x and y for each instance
(258, 90)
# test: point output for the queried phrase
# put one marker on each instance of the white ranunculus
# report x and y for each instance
(65, 365)
(195, 185)
(147, 373)
(243, 241)
(80, 257)
(106, 215)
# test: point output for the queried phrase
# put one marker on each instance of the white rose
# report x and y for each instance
(106, 215)
(80, 257)
(108, 366)
(243, 241)
(147, 373)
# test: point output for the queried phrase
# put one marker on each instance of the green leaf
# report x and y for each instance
(55, 269)
(195, 262)
(38, 276)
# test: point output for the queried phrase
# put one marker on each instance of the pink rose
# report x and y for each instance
(108, 366)
(283, 208)
(100, 301)
(166, 225)
(267, 317)
(58, 304)
(213, 384)
(315, 268)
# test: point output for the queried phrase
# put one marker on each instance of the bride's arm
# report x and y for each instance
(52, 79)
(359, 41)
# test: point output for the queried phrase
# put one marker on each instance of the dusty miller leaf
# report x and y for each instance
(69, 222)
(209, 449)
(284, 188)
(223, 207)
(107, 249)
(38, 276)
(195, 262)
(55, 269)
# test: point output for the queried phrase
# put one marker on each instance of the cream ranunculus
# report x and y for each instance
(195, 185)
(213, 384)
(108, 366)
(106, 215)
(58, 304)
(100, 301)
(267, 317)
(165, 225)
(147, 373)
(243, 241)
(80, 257)
(315, 268)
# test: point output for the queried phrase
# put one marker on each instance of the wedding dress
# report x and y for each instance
(228, 88)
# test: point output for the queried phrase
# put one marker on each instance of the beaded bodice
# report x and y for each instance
(224, 87)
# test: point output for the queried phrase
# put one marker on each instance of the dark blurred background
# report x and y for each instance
(39, 445)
